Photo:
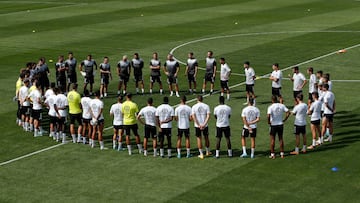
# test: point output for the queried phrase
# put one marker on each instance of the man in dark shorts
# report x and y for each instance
(138, 64)
(276, 78)
(61, 73)
(210, 72)
(222, 114)
(191, 71)
(329, 111)
(123, 71)
(299, 81)
(70, 65)
(88, 67)
(105, 74)
(155, 75)
(171, 69)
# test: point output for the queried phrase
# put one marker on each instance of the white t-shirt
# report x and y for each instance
(48, 93)
(299, 79)
(250, 113)
(224, 72)
(312, 82)
(200, 111)
(300, 111)
(85, 105)
(222, 113)
(51, 101)
(164, 112)
(148, 113)
(62, 102)
(315, 108)
(276, 111)
(330, 85)
(35, 97)
(276, 74)
(183, 113)
(249, 73)
(96, 105)
(23, 93)
(115, 110)
(329, 98)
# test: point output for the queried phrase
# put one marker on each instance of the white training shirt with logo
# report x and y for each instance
(23, 93)
(115, 110)
(48, 93)
(224, 72)
(85, 104)
(35, 97)
(222, 113)
(148, 113)
(200, 112)
(51, 101)
(183, 113)
(276, 74)
(62, 102)
(96, 105)
(329, 98)
(312, 82)
(299, 79)
(300, 111)
(315, 108)
(164, 112)
(250, 113)
(276, 112)
(249, 74)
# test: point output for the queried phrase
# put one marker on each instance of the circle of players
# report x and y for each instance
(62, 101)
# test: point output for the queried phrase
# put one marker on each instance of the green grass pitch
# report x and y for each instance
(307, 32)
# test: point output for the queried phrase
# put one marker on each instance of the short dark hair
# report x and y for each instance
(315, 94)
(86, 93)
(300, 97)
(326, 86)
(70, 52)
(211, 52)
(166, 100)
(129, 95)
(97, 93)
(276, 64)
(251, 101)
(150, 100)
(222, 100)
(274, 99)
(183, 98)
(296, 67)
(136, 54)
(75, 86)
(200, 98)
(320, 72)
(247, 63)
(120, 98)
(311, 69)
(222, 58)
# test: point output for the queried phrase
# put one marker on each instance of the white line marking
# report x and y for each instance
(195, 99)
(30, 154)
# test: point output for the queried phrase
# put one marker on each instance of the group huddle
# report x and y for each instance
(33, 90)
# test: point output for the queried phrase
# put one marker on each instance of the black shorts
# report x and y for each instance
(53, 119)
(118, 127)
(191, 77)
(310, 97)
(150, 131)
(75, 117)
(299, 130)
(277, 130)
(44, 82)
(329, 117)
(250, 88)
(89, 79)
(25, 110)
(172, 80)
(138, 78)
(129, 128)
(223, 130)
(224, 84)
(296, 93)
(182, 132)
(124, 78)
(36, 114)
(86, 120)
(155, 78)
(276, 91)
(72, 78)
(209, 78)
(61, 121)
(205, 132)
(165, 132)
(316, 122)
(246, 132)
(104, 80)
(61, 82)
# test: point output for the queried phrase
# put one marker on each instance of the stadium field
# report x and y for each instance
(308, 33)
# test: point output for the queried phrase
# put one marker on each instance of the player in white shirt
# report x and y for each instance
(118, 124)
(222, 113)
(249, 81)
(50, 91)
(250, 116)
(53, 113)
(97, 121)
(315, 112)
(300, 112)
(329, 111)
(275, 119)
(24, 104)
(183, 118)
(86, 118)
(61, 105)
(148, 114)
(200, 113)
(326, 80)
(276, 78)
(225, 72)
(312, 85)
(164, 115)
(35, 98)
(299, 82)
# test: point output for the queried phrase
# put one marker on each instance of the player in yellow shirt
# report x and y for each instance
(18, 85)
(75, 112)
(129, 110)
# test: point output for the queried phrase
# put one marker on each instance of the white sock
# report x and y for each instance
(36, 132)
(145, 152)
(79, 138)
(150, 91)
(140, 148)
(169, 152)
(101, 144)
(203, 90)
(281, 153)
(142, 90)
(228, 96)
(207, 150)
(161, 151)
(187, 151)
(73, 138)
(58, 136)
(119, 145)
(222, 94)
(296, 149)
(84, 140)
(254, 102)
(252, 151)
(217, 152)
(129, 149)
(244, 149)
(90, 141)
(114, 144)
(229, 152)
(93, 143)
(31, 127)
(26, 126)
(155, 152)
(211, 90)
(322, 139)
(161, 90)
(63, 138)
(201, 152)
(137, 90)
(314, 142)
(178, 150)
(304, 147)
(327, 131)
(52, 134)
